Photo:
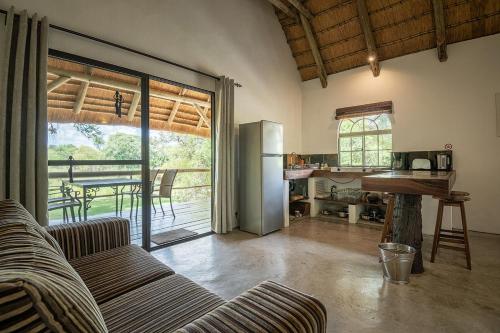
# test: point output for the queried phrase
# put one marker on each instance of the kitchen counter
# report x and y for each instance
(410, 182)
(408, 188)
(289, 174)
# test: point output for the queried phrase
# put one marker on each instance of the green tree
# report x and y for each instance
(121, 146)
(61, 152)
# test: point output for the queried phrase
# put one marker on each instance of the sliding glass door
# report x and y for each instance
(124, 144)
(180, 159)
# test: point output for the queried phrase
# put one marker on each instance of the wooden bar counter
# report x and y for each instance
(408, 187)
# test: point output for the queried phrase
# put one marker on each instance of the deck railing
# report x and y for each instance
(68, 177)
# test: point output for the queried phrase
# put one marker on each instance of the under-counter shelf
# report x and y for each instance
(342, 202)
(335, 218)
(298, 198)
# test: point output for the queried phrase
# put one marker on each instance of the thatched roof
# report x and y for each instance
(399, 27)
(79, 94)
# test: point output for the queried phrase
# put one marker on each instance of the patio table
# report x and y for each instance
(91, 187)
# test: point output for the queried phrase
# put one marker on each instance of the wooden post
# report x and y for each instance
(439, 22)
(364, 20)
(407, 226)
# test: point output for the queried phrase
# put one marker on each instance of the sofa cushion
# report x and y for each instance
(161, 306)
(13, 213)
(39, 290)
(111, 273)
(269, 307)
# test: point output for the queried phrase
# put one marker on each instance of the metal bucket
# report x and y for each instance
(396, 260)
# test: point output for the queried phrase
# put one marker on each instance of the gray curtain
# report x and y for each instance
(224, 208)
(23, 112)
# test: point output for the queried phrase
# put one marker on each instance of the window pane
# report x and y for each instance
(371, 158)
(371, 142)
(345, 126)
(345, 144)
(345, 159)
(385, 157)
(357, 158)
(384, 122)
(357, 143)
(386, 141)
(370, 125)
(358, 126)
(366, 147)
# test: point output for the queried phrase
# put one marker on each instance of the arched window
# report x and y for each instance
(365, 141)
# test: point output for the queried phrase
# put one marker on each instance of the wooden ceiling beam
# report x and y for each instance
(171, 117)
(315, 51)
(438, 13)
(115, 84)
(301, 8)
(311, 39)
(285, 9)
(205, 111)
(478, 11)
(202, 115)
(80, 97)
(200, 122)
(133, 106)
(57, 83)
(366, 26)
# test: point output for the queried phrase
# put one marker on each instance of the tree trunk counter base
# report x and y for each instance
(407, 226)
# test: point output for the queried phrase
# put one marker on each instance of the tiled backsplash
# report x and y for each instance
(330, 159)
(405, 158)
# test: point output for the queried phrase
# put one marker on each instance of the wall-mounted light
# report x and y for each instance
(371, 58)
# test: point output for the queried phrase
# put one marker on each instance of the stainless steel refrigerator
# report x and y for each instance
(261, 177)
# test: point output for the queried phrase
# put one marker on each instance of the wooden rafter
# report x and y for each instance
(366, 26)
(80, 97)
(171, 117)
(303, 16)
(202, 115)
(115, 84)
(315, 51)
(438, 11)
(285, 9)
(133, 106)
(57, 83)
(301, 8)
(477, 8)
(205, 112)
(200, 122)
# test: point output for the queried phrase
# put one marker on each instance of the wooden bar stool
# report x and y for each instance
(457, 240)
(389, 213)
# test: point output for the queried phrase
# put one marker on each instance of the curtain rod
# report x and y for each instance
(129, 49)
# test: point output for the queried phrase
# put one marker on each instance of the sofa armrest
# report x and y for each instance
(268, 307)
(85, 238)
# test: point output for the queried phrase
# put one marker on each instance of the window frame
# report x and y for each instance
(378, 132)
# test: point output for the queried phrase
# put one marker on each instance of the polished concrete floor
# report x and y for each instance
(338, 264)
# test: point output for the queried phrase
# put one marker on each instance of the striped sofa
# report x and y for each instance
(87, 277)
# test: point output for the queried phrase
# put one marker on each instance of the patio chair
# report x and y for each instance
(61, 197)
(164, 191)
(152, 178)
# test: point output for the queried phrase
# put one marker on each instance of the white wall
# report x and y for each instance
(241, 39)
(434, 103)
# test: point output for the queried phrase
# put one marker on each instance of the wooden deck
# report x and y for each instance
(194, 216)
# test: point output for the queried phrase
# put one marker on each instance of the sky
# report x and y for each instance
(67, 134)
